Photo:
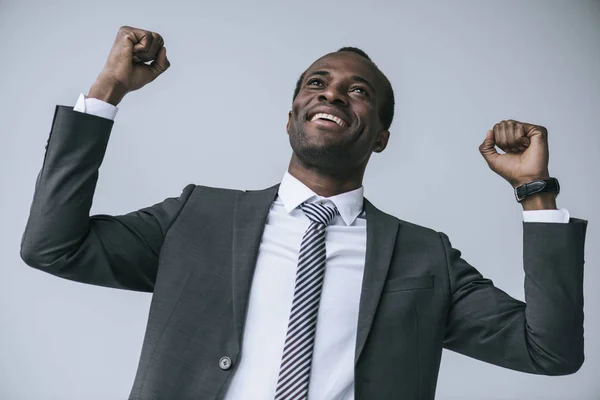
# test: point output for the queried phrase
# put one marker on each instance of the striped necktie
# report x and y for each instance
(294, 372)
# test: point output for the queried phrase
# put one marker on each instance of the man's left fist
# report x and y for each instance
(526, 151)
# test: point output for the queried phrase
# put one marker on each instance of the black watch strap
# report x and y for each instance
(541, 186)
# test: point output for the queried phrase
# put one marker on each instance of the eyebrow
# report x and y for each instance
(353, 77)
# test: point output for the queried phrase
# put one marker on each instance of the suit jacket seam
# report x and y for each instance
(178, 212)
(448, 273)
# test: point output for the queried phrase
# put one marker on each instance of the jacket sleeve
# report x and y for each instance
(544, 334)
(60, 236)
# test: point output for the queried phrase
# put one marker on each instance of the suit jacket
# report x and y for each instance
(197, 254)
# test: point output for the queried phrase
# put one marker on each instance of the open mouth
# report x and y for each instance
(328, 119)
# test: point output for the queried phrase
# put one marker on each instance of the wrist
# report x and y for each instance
(524, 180)
(108, 92)
(540, 201)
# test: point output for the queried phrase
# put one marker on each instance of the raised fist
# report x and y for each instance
(126, 69)
(526, 151)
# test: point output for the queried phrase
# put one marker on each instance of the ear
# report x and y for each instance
(287, 126)
(381, 142)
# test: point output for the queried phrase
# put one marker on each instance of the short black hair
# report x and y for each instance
(386, 113)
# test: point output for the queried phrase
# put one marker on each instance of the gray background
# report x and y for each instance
(218, 116)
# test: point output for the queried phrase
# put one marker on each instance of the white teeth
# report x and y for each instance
(329, 117)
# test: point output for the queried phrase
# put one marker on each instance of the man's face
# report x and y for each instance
(334, 123)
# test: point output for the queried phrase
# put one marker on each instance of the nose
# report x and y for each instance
(334, 94)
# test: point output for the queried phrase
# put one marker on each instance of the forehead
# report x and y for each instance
(346, 64)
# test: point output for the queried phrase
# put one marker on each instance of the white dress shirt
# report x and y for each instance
(271, 294)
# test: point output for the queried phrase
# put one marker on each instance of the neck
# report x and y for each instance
(322, 183)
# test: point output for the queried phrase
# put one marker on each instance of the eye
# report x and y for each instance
(315, 82)
(359, 90)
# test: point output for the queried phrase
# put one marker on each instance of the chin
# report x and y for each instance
(326, 157)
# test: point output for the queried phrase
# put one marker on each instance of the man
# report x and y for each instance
(305, 289)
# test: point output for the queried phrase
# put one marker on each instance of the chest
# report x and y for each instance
(276, 266)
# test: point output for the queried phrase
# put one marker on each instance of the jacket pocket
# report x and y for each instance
(408, 283)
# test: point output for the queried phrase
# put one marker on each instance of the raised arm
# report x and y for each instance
(544, 334)
(60, 236)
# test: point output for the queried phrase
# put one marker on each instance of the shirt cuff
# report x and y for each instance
(95, 107)
(561, 216)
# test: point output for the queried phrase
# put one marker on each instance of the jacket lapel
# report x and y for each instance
(382, 230)
(249, 219)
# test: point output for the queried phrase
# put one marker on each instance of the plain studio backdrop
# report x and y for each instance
(217, 117)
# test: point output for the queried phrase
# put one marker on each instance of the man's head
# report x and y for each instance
(342, 109)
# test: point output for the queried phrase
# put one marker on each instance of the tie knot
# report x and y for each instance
(319, 213)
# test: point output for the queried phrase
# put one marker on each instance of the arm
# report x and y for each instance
(60, 237)
(544, 335)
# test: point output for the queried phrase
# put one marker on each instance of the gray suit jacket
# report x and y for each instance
(197, 254)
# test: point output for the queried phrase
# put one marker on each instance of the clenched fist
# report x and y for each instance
(526, 151)
(126, 69)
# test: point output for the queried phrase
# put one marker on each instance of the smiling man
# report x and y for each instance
(306, 289)
(342, 110)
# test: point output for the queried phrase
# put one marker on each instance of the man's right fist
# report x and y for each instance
(125, 70)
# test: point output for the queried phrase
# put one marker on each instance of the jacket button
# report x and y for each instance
(225, 363)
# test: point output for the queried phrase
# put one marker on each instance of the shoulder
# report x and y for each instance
(406, 226)
(195, 190)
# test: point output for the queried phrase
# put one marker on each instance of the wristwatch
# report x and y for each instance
(541, 186)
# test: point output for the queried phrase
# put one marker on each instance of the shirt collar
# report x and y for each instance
(292, 193)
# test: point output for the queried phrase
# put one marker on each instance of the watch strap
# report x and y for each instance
(547, 185)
